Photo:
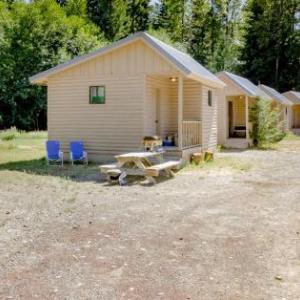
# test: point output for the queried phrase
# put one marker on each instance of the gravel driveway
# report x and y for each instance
(207, 234)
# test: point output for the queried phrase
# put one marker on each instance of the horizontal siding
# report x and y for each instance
(115, 126)
(209, 120)
(222, 116)
(191, 100)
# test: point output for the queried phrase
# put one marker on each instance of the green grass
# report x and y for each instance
(26, 153)
(291, 137)
(221, 163)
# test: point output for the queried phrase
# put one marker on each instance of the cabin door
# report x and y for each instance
(157, 112)
(230, 119)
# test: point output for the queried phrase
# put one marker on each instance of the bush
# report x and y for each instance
(10, 134)
(267, 126)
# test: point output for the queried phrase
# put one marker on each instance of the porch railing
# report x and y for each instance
(191, 133)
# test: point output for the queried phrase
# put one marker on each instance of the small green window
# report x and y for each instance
(97, 94)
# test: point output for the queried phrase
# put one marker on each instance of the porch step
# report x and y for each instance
(296, 131)
(237, 143)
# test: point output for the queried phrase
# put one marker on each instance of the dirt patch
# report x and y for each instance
(214, 233)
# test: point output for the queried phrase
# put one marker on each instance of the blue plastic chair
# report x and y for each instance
(77, 152)
(54, 154)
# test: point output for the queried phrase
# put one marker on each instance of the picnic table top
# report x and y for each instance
(138, 154)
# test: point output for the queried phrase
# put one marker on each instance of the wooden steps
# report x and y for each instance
(235, 143)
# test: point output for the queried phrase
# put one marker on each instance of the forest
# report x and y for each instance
(258, 39)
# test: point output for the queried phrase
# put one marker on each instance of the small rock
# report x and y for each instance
(90, 222)
(181, 239)
(278, 277)
(7, 212)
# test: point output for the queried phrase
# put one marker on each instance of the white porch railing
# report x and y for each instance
(191, 133)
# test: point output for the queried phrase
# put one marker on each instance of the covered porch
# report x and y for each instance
(295, 118)
(173, 111)
(238, 126)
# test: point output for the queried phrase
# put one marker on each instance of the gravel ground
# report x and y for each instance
(207, 234)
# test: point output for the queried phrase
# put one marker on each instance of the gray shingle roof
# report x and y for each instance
(182, 61)
(275, 95)
(246, 85)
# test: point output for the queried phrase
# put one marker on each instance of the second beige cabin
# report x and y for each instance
(239, 95)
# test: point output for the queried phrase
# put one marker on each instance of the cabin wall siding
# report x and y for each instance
(209, 120)
(191, 100)
(115, 126)
(222, 116)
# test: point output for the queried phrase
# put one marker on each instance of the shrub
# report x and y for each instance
(10, 134)
(267, 126)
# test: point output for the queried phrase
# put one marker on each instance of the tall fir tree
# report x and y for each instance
(217, 29)
(173, 17)
(272, 51)
(138, 11)
(111, 16)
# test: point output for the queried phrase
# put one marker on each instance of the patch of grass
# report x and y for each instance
(291, 137)
(9, 137)
(221, 163)
(26, 153)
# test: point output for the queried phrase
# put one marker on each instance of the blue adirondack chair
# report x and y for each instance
(54, 154)
(77, 152)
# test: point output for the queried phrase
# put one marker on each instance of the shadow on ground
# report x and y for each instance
(78, 173)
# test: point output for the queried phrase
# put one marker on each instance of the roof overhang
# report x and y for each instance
(42, 77)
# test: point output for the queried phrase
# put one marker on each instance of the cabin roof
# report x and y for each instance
(275, 95)
(249, 88)
(293, 96)
(183, 62)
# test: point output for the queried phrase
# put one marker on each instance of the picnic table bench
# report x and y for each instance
(139, 164)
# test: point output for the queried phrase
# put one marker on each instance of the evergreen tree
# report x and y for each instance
(173, 17)
(199, 42)
(138, 11)
(217, 33)
(111, 16)
(271, 54)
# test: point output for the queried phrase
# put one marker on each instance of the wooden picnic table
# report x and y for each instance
(148, 164)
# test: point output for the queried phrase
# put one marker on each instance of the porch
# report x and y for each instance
(295, 119)
(173, 111)
(238, 124)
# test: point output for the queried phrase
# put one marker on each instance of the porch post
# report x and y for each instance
(180, 110)
(247, 117)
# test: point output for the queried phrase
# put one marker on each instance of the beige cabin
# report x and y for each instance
(294, 98)
(136, 87)
(281, 104)
(233, 111)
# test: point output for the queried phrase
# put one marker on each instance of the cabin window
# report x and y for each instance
(97, 94)
(209, 98)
